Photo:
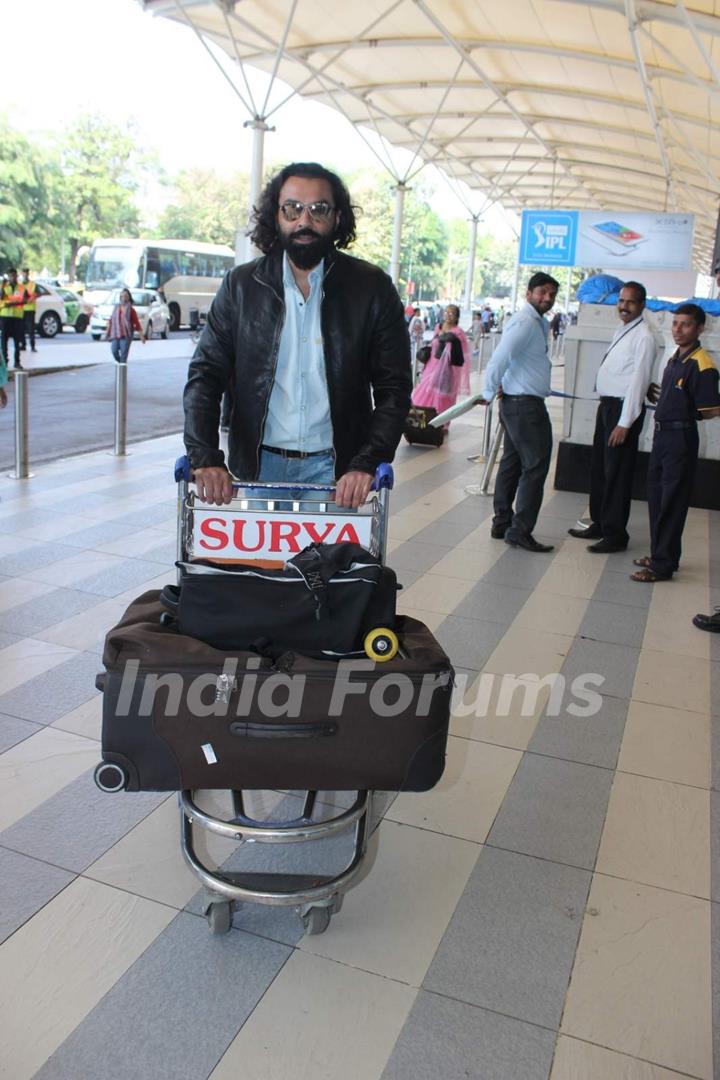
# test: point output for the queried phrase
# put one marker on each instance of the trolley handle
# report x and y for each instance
(384, 475)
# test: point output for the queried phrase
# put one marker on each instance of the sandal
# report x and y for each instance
(648, 576)
(645, 561)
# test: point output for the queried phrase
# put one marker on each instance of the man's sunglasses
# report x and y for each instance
(291, 210)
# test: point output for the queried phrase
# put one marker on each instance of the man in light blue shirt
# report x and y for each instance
(519, 373)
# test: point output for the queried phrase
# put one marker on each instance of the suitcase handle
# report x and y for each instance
(282, 731)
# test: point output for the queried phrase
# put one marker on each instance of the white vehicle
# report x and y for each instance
(186, 273)
(152, 311)
(50, 315)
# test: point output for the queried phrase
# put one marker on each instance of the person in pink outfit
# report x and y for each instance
(444, 378)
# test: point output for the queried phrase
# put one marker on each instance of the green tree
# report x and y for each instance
(93, 188)
(24, 200)
(205, 206)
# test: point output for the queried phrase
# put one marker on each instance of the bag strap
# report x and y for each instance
(318, 563)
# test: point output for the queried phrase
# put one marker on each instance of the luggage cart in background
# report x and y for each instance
(280, 508)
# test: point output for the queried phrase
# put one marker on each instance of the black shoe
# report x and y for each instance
(498, 532)
(591, 533)
(33, 350)
(528, 543)
(605, 547)
(17, 366)
(708, 622)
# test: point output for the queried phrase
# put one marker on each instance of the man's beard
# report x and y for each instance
(306, 256)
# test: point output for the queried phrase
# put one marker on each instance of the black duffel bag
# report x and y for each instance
(322, 603)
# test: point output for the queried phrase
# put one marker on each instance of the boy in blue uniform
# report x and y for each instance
(688, 393)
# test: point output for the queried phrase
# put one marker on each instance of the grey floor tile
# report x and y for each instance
(30, 618)
(104, 533)
(715, 848)
(7, 638)
(165, 553)
(22, 562)
(415, 556)
(521, 569)
(175, 1011)
(55, 692)
(447, 533)
(715, 964)
(473, 510)
(156, 510)
(26, 885)
(498, 603)
(468, 642)
(615, 665)
(614, 623)
(453, 1041)
(80, 823)
(13, 730)
(511, 943)
(592, 740)
(552, 529)
(122, 576)
(616, 588)
(555, 810)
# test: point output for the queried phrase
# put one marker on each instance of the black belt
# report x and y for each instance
(604, 400)
(293, 453)
(674, 425)
(522, 397)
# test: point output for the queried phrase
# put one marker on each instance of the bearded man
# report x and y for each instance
(311, 344)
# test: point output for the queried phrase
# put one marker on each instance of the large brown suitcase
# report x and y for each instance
(179, 714)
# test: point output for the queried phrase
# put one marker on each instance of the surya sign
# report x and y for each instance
(271, 535)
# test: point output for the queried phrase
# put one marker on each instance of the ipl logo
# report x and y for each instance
(548, 236)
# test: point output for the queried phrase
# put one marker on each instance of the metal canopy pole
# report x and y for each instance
(467, 304)
(244, 248)
(400, 190)
(516, 282)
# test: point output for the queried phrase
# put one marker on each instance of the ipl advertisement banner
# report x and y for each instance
(611, 239)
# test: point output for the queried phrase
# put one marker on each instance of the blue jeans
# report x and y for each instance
(120, 348)
(276, 469)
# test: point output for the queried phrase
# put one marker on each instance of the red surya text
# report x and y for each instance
(256, 534)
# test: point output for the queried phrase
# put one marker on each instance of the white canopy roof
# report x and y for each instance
(601, 104)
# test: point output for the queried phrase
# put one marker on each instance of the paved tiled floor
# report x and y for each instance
(549, 912)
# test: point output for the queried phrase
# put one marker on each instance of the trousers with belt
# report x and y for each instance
(525, 462)
(611, 472)
(671, 473)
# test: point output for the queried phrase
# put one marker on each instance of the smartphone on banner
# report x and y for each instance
(623, 236)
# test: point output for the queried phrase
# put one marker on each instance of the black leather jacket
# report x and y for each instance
(366, 347)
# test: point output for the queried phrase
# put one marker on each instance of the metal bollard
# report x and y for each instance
(119, 449)
(22, 471)
(487, 430)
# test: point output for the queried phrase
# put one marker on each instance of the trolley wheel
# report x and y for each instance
(381, 643)
(110, 777)
(316, 920)
(219, 916)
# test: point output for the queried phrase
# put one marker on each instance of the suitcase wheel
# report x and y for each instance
(110, 777)
(381, 643)
(219, 916)
(316, 920)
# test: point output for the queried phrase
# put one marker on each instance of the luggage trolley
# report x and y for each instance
(316, 897)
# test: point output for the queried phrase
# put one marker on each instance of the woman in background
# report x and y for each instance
(447, 373)
(123, 323)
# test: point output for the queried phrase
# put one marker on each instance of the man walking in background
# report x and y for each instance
(519, 373)
(622, 383)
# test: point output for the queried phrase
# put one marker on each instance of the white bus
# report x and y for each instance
(186, 272)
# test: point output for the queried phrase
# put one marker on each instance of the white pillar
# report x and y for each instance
(516, 279)
(567, 289)
(244, 249)
(470, 273)
(397, 232)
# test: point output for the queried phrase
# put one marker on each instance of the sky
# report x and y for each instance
(111, 57)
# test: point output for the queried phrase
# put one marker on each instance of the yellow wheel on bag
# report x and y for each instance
(381, 643)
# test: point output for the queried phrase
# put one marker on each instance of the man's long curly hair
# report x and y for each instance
(264, 216)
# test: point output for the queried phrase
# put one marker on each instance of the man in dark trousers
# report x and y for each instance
(519, 373)
(688, 393)
(622, 384)
(313, 345)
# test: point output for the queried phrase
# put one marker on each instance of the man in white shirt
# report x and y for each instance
(622, 384)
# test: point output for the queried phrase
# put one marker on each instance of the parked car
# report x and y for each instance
(50, 315)
(153, 313)
(77, 310)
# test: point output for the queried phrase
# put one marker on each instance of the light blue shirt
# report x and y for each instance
(298, 416)
(520, 363)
